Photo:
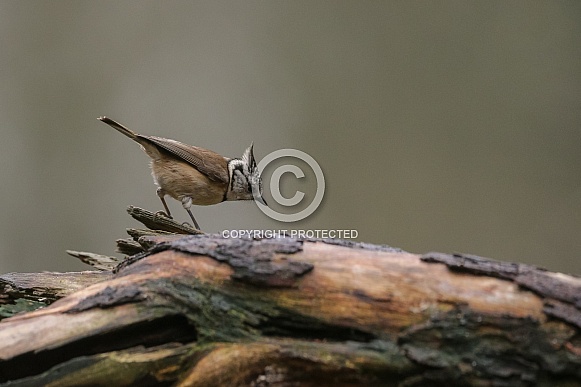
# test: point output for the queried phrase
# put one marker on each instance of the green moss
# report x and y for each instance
(21, 305)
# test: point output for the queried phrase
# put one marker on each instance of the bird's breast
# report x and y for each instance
(180, 179)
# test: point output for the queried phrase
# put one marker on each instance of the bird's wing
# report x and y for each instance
(207, 162)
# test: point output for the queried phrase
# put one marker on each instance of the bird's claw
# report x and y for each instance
(162, 213)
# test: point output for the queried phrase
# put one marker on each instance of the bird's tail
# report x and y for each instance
(129, 133)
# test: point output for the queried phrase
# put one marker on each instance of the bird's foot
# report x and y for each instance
(195, 227)
(162, 213)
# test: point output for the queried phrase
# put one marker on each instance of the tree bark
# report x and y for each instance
(202, 310)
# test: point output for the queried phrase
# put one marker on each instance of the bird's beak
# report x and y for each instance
(260, 200)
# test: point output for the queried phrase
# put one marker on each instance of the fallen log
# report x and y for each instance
(202, 310)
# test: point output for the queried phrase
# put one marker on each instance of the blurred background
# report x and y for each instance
(440, 126)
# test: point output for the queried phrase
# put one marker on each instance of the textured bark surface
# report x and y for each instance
(206, 311)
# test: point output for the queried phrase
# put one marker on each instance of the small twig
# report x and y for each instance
(158, 225)
(128, 246)
(98, 261)
(155, 221)
(137, 233)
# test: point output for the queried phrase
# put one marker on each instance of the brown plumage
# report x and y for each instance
(194, 175)
(205, 161)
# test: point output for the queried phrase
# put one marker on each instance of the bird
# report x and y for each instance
(194, 175)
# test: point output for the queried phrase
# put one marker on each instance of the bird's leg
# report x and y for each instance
(187, 203)
(161, 194)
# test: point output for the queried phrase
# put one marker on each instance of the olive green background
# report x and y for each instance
(439, 125)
